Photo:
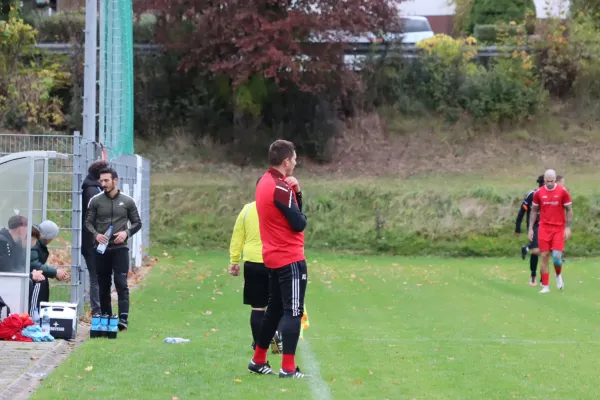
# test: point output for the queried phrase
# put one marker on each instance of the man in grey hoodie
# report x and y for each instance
(91, 187)
(113, 208)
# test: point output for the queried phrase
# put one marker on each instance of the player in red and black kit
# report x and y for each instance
(281, 223)
(532, 246)
(553, 202)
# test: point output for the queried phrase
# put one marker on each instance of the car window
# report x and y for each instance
(415, 25)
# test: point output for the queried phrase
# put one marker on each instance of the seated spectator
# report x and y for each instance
(41, 236)
(13, 244)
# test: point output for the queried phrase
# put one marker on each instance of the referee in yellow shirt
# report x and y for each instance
(246, 239)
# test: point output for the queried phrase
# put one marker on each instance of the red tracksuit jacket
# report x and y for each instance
(280, 219)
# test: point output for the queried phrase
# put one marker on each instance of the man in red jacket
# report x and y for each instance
(281, 223)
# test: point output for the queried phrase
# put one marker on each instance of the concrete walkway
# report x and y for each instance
(24, 365)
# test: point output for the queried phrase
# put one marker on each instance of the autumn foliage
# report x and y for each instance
(242, 39)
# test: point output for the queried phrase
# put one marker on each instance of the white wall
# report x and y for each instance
(441, 7)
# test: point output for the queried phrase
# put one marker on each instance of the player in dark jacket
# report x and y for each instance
(532, 246)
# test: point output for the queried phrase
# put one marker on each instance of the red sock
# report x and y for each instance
(558, 270)
(260, 355)
(545, 279)
(288, 364)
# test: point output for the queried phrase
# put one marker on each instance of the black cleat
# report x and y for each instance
(261, 369)
(276, 344)
(296, 374)
(122, 325)
(524, 251)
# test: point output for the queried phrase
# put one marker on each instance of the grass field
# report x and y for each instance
(381, 328)
(438, 214)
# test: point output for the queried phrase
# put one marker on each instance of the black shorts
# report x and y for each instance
(256, 284)
(288, 286)
(534, 243)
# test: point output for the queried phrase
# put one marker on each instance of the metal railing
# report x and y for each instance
(408, 50)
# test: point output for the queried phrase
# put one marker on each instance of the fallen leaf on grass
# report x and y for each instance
(89, 368)
(167, 373)
(155, 300)
(284, 390)
(237, 380)
(165, 254)
(174, 398)
(352, 276)
(357, 382)
(213, 330)
(79, 378)
(208, 312)
(370, 372)
(187, 323)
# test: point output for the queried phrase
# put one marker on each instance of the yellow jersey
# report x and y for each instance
(246, 237)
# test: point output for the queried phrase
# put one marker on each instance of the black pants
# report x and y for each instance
(117, 262)
(287, 286)
(89, 254)
(38, 292)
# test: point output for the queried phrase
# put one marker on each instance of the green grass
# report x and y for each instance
(462, 215)
(381, 328)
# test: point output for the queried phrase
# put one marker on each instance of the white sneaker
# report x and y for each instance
(545, 289)
(559, 282)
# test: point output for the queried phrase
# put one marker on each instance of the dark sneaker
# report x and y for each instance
(296, 374)
(122, 325)
(276, 344)
(524, 250)
(261, 369)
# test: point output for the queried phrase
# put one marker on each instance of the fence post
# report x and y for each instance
(91, 65)
(76, 286)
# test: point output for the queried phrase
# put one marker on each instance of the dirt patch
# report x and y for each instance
(369, 146)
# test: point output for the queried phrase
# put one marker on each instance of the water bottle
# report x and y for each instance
(95, 328)
(104, 325)
(176, 340)
(45, 321)
(102, 247)
(36, 317)
(113, 327)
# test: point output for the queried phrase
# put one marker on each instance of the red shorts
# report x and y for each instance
(551, 238)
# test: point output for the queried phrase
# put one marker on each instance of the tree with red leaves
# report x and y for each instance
(296, 41)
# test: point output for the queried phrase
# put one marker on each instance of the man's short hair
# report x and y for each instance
(110, 171)
(279, 151)
(95, 168)
(17, 221)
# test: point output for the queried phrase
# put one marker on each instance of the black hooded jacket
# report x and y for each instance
(90, 188)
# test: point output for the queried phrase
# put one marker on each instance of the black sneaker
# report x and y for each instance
(122, 325)
(276, 344)
(296, 374)
(524, 251)
(261, 369)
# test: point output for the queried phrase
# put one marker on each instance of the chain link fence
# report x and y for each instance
(58, 198)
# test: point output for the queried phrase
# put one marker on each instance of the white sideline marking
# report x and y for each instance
(459, 340)
(318, 387)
